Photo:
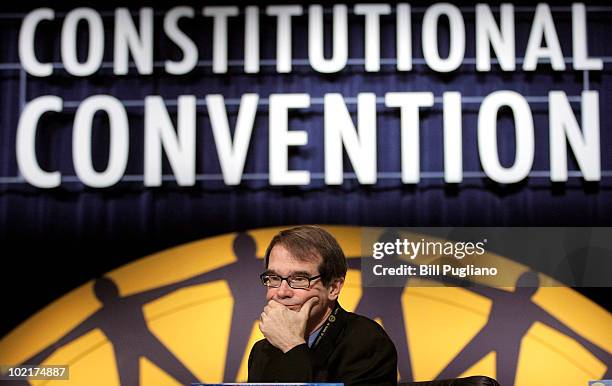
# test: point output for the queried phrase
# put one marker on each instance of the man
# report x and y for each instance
(308, 336)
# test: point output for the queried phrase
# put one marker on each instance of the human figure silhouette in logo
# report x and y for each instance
(386, 303)
(242, 277)
(512, 315)
(122, 320)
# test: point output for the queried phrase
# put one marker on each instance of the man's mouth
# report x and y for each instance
(294, 307)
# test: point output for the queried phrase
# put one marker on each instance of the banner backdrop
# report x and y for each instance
(129, 129)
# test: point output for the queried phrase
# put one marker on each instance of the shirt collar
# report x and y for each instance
(313, 336)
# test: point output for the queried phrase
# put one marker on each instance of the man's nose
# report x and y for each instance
(284, 291)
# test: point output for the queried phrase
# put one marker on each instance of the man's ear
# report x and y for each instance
(335, 287)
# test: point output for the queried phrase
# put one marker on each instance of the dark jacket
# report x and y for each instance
(352, 349)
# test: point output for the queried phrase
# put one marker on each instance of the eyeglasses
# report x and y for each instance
(294, 281)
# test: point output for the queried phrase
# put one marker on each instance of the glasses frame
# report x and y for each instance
(310, 279)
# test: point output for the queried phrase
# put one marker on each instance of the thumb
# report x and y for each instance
(305, 310)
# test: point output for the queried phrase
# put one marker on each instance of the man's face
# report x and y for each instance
(283, 263)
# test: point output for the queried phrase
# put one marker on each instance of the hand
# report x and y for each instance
(283, 328)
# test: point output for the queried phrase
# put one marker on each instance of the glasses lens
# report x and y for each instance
(299, 282)
(271, 280)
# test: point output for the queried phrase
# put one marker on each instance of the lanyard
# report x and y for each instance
(331, 319)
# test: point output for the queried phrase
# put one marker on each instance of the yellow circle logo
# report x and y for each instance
(190, 313)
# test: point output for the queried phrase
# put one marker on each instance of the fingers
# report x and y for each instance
(274, 303)
(263, 318)
(307, 306)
